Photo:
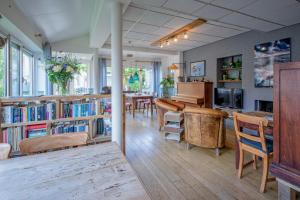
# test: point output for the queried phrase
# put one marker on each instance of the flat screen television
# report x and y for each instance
(229, 97)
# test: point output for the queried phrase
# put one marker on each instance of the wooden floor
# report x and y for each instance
(169, 171)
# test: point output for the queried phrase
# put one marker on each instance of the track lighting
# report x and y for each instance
(175, 39)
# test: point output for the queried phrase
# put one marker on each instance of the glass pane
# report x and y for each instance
(15, 69)
(41, 78)
(2, 72)
(27, 74)
(81, 80)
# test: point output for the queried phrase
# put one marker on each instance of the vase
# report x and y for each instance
(63, 88)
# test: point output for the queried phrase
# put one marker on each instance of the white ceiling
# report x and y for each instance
(145, 21)
(148, 20)
(58, 19)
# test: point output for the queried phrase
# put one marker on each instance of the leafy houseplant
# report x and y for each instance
(61, 71)
(167, 84)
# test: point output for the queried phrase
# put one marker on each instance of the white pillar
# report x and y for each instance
(116, 55)
(95, 74)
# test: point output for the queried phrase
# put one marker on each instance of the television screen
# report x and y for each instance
(237, 98)
(223, 97)
(229, 97)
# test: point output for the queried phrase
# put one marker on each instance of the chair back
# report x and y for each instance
(204, 127)
(250, 128)
(52, 142)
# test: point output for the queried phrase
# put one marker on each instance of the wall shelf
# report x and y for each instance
(229, 71)
(230, 81)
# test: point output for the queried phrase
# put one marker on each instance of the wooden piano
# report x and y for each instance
(198, 94)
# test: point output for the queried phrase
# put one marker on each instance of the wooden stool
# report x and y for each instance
(4, 151)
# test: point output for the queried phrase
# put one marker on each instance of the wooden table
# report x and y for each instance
(84, 173)
(268, 131)
(134, 97)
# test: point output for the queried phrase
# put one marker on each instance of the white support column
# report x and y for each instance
(95, 74)
(116, 54)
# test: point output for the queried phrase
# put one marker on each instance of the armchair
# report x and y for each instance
(204, 127)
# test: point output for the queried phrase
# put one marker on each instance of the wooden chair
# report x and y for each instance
(52, 142)
(4, 151)
(250, 135)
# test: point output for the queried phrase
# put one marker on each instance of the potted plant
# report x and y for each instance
(61, 71)
(167, 84)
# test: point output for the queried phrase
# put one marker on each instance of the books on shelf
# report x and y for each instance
(79, 126)
(13, 136)
(34, 131)
(15, 114)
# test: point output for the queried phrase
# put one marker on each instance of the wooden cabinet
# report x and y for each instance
(286, 163)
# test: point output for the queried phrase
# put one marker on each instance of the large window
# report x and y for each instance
(81, 80)
(27, 72)
(41, 78)
(15, 69)
(2, 72)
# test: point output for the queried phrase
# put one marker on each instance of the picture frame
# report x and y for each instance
(266, 55)
(198, 69)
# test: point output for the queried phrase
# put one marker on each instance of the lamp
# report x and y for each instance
(173, 67)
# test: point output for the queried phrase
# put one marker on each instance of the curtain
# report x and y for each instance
(103, 72)
(156, 77)
(47, 55)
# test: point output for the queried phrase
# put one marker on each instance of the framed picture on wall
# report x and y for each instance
(197, 68)
(266, 55)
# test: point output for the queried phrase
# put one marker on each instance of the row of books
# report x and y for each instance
(79, 109)
(13, 136)
(14, 114)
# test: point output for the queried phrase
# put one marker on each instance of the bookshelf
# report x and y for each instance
(23, 117)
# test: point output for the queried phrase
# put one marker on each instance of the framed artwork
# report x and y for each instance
(266, 55)
(198, 68)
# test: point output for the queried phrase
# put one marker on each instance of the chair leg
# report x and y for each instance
(241, 163)
(217, 152)
(265, 174)
(188, 146)
(254, 161)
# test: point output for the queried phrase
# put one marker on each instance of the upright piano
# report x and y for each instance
(198, 94)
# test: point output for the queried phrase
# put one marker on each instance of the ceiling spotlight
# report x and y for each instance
(168, 43)
(161, 45)
(185, 36)
(175, 39)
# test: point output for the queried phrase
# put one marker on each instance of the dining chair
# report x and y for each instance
(4, 151)
(250, 136)
(52, 142)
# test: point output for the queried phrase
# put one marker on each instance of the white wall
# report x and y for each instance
(15, 23)
(74, 45)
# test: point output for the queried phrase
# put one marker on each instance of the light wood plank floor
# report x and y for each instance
(169, 171)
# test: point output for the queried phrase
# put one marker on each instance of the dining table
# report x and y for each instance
(134, 97)
(268, 131)
(97, 171)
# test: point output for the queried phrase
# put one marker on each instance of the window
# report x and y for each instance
(41, 78)
(81, 80)
(2, 71)
(27, 74)
(15, 69)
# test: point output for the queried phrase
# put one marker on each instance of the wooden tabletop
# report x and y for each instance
(91, 172)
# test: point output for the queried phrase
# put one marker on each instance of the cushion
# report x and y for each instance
(257, 145)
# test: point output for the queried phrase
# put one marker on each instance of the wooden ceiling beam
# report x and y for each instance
(181, 31)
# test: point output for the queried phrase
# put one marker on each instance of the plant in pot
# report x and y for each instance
(167, 84)
(61, 71)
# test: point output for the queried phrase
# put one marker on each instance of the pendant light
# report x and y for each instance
(130, 80)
